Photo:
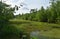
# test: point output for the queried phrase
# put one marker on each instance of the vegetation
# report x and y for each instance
(6, 13)
(50, 14)
(46, 30)
(45, 21)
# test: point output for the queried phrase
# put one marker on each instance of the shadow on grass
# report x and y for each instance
(15, 22)
(7, 31)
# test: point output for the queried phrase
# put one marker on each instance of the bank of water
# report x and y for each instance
(38, 35)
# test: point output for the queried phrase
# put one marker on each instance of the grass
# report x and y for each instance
(46, 29)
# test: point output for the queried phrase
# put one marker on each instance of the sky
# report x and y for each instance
(27, 5)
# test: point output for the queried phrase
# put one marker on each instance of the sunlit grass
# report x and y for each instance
(46, 29)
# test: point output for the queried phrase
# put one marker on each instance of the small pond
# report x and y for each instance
(37, 35)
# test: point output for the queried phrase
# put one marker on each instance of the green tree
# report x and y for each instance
(6, 12)
(43, 15)
(54, 11)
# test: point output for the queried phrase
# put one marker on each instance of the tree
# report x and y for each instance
(54, 10)
(33, 10)
(50, 14)
(43, 15)
(6, 12)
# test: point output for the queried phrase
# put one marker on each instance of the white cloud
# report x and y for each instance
(13, 2)
(28, 4)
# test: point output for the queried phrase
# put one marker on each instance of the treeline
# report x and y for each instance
(51, 14)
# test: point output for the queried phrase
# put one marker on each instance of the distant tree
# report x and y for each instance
(33, 10)
(43, 15)
(54, 10)
(50, 14)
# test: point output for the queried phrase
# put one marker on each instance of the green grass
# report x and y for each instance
(46, 29)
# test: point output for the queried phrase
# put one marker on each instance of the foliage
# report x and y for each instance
(50, 14)
(6, 12)
(47, 30)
